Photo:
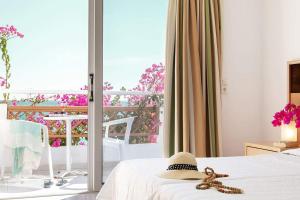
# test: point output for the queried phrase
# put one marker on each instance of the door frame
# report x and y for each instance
(95, 108)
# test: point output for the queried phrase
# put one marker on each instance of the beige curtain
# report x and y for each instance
(192, 88)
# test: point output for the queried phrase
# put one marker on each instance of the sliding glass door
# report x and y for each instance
(43, 88)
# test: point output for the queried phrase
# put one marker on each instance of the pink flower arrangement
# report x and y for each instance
(291, 112)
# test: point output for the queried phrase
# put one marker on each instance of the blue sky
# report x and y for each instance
(53, 53)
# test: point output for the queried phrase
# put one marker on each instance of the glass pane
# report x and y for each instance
(134, 43)
(47, 85)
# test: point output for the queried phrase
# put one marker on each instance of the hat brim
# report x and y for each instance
(183, 175)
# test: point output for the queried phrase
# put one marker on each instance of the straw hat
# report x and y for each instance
(182, 165)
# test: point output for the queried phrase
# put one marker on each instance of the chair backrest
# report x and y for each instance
(3, 111)
(128, 121)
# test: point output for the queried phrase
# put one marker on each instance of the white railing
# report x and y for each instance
(26, 93)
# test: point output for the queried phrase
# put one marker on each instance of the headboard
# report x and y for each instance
(294, 85)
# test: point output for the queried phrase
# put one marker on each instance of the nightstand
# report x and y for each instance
(252, 149)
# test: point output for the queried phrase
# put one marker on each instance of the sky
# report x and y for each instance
(53, 55)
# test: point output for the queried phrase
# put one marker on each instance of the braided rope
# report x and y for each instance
(210, 182)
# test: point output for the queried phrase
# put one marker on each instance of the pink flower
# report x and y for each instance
(57, 124)
(12, 29)
(279, 115)
(30, 118)
(14, 102)
(2, 81)
(10, 32)
(298, 123)
(152, 80)
(276, 123)
(152, 138)
(154, 66)
(56, 142)
(289, 107)
(149, 70)
(289, 113)
(20, 35)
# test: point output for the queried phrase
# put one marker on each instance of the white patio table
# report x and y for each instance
(68, 119)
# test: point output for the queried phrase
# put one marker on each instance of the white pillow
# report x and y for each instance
(295, 152)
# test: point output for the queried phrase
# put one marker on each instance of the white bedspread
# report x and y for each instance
(266, 177)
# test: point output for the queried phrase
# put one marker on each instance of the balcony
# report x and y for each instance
(144, 139)
(144, 134)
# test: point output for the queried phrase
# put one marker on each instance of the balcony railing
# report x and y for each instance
(142, 130)
(56, 130)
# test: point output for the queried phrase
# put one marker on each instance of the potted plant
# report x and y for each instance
(289, 120)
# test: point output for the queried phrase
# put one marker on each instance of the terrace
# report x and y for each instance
(144, 138)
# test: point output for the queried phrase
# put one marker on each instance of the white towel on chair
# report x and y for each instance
(24, 139)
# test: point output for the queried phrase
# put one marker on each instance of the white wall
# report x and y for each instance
(259, 37)
(242, 71)
(281, 43)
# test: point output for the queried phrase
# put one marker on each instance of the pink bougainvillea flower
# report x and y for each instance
(298, 123)
(278, 115)
(152, 80)
(20, 35)
(14, 102)
(82, 141)
(276, 123)
(289, 113)
(9, 32)
(289, 107)
(30, 118)
(57, 124)
(56, 142)
(286, 120)
(12, 29)
(2, 81)
(152, 138)
(149, 70)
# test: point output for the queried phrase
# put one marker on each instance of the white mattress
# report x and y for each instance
(275, 177)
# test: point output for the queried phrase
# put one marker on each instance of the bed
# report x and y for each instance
(274, 176)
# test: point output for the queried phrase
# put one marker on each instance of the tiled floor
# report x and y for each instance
(86, 196)
(34, 187)
(18, 189)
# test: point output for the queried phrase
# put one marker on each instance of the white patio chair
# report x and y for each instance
(115, 143)
(45, 144)
(144, 150)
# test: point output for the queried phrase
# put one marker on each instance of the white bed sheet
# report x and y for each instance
(275, 177)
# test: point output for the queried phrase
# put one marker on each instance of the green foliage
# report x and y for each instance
(6, 60)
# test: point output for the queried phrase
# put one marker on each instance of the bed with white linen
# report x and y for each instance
(266, 177)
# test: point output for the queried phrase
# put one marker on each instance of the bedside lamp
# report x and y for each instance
(288, 136)
(289, 133)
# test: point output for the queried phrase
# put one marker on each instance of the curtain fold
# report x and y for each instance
(192, 87)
